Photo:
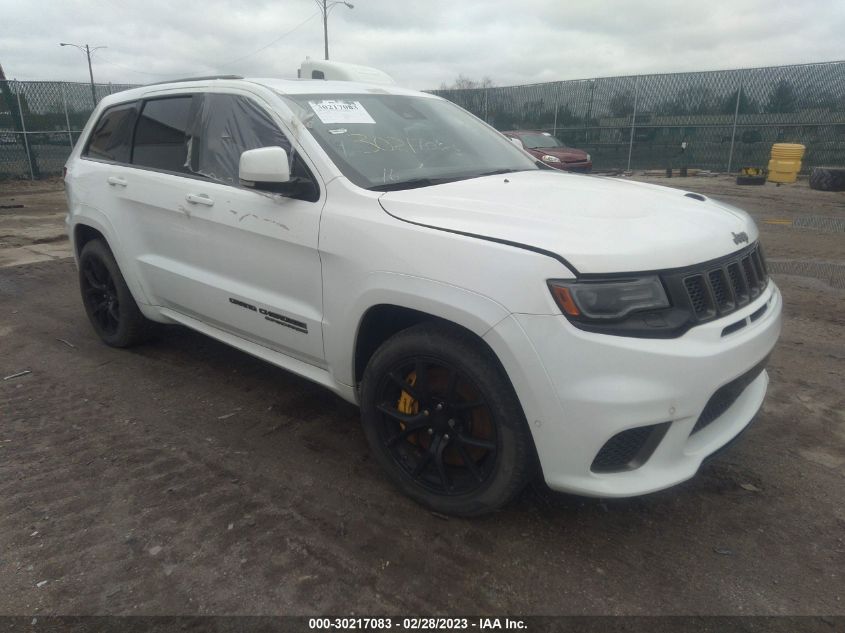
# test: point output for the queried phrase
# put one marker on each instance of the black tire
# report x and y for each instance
(751, 180)
(827, 179)
(108, 303)
(489, 456)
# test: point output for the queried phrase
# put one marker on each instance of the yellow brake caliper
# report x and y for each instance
(407, 404)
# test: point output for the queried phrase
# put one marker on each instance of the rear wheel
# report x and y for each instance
(108, 302)
(443, 421)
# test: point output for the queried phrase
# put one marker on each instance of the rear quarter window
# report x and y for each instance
(111, 138)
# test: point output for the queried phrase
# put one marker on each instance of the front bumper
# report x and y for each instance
(580, 166)
(580, 389)
(583, 168)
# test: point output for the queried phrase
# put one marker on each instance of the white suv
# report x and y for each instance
(490, 316)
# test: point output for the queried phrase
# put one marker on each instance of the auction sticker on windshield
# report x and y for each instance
(340, 111)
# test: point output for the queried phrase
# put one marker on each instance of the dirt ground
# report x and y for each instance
(32, 222)
(184, 477)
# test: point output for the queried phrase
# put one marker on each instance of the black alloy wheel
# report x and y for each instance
(109, 304)
(100, 296)
(436, 425)
(443, 420)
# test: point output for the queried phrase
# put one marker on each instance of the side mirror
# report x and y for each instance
(516, 142)
(264, 165)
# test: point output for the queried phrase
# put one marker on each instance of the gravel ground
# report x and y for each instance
(184, 477)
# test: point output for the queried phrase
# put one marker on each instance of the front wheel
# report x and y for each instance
(443, 421)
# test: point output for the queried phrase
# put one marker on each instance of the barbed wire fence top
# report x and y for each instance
(728, 118)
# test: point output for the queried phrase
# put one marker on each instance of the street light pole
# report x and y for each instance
(326, 6)
(91, 74)
(87, 50)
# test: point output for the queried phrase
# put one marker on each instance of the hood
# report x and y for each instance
(597, 224)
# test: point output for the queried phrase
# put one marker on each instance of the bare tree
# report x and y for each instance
(462, 82)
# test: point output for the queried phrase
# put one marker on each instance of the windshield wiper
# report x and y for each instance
(496, 172)
(414, 183)
(427, 182)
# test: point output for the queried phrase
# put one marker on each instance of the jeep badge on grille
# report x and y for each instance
(739, 238)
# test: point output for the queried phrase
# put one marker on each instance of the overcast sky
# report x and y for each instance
(422, 43)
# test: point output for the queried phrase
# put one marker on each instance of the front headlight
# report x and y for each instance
(608, 299)
(550, 159)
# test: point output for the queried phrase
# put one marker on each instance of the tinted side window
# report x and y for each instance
(161, 137)
(225, 127)
(111, 138)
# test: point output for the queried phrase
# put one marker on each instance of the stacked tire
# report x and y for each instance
(751, 180)
(828, 178)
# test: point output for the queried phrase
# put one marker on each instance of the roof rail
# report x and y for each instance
(176, 81)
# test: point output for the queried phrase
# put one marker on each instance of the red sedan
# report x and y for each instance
(551, 151)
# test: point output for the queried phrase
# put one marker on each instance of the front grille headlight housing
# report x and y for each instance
(548, 158)
(663, 304)
(610, 299)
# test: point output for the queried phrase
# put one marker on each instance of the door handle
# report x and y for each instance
(116, 181)
(200, 198)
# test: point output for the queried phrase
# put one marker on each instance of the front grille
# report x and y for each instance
(697, 294)
(721, 292)
(629, 449)
(751, 276)
(721, 287)
(738, 285)
(726, 395)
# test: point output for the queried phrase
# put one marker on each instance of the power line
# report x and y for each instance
(269, 44)
(219, 65)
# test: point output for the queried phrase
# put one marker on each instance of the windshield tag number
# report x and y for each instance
(331, 111)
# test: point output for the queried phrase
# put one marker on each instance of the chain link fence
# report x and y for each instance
(728, 119)
(40, 122)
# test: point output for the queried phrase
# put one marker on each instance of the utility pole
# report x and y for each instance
(87, 50)
(326, 6)
(326, 28)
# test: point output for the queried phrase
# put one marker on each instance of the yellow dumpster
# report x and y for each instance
(785, 162)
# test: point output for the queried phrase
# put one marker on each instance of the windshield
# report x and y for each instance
(385, 142)
(536, 141)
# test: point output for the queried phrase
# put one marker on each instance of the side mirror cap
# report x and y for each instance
(264, 165)
(516, 142)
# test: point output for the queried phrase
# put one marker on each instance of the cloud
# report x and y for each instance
(421, 43)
